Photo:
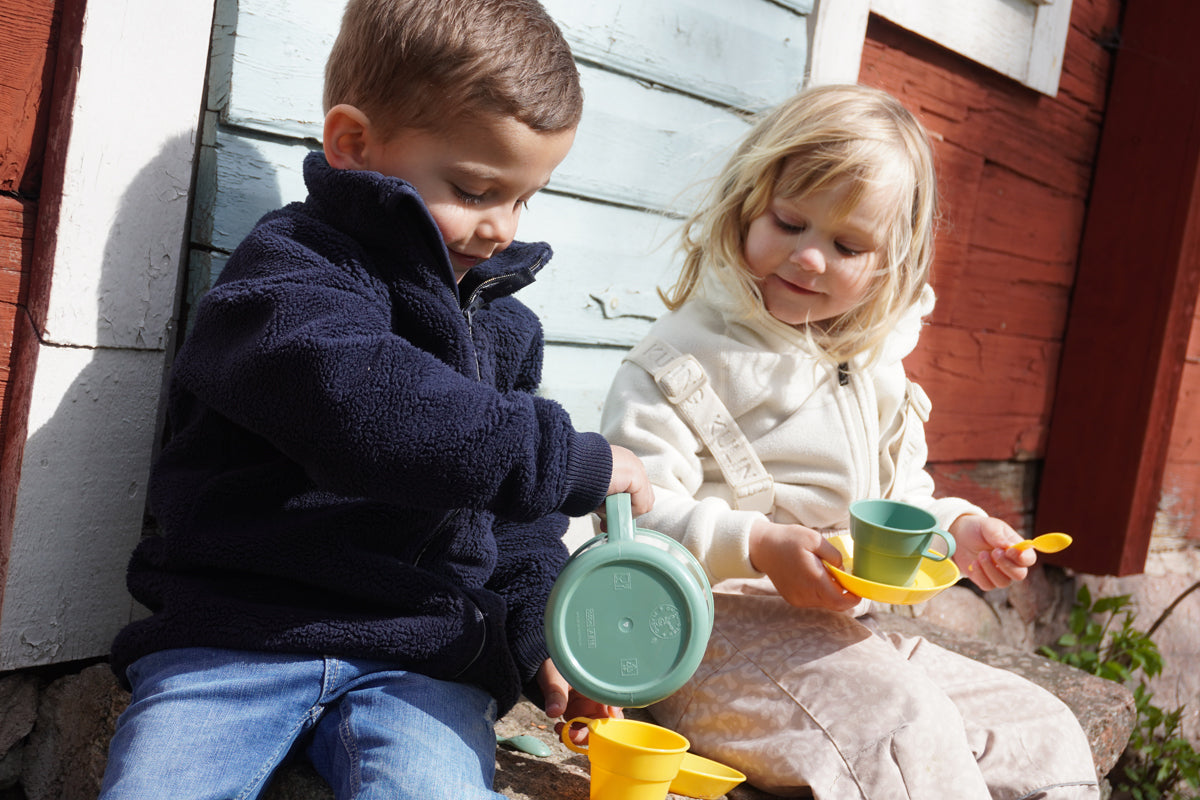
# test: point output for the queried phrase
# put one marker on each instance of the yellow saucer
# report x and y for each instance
(933, 577)
(704, 778)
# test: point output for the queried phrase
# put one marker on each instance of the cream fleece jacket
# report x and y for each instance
(827, 439)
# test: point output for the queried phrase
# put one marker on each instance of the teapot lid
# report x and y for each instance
(630, 614)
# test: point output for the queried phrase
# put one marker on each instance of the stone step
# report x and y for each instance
(61, 757)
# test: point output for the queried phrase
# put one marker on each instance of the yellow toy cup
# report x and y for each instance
(630, 760)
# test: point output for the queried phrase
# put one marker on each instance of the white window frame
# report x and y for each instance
(1023, 39)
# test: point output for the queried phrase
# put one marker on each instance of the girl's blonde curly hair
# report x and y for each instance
(819, 138)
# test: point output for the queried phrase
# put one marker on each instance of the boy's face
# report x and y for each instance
(475, 178)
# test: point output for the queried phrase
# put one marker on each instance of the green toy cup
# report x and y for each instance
(890, 540)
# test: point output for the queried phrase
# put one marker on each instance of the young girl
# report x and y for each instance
(770, 397)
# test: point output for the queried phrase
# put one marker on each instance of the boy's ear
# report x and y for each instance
(347, 137)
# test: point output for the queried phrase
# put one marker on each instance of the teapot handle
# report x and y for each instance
(619, 517)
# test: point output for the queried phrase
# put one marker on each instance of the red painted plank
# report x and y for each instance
(1022, 217)
(28, 29)
(991, 392)
(13, 430)
(1086, 62)
(1048, 139)
(1003, 489)
(1014, 172)
(1134, 299)
(17, 218)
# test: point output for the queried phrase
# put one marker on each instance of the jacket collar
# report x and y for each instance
(387, 214)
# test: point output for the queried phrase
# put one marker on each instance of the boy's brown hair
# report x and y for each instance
(422, 64)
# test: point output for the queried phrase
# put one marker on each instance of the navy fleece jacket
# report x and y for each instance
(357, 463)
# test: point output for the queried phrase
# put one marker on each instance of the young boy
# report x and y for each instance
(362, 499)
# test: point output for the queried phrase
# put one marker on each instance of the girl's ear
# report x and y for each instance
(346, 137)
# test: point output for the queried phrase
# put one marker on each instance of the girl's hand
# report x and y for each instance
(563, 701)
(984, 551)
(791, 556)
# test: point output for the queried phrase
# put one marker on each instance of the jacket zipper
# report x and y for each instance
(469, 313)
(469, 309)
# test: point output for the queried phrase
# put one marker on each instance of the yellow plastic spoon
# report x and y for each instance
(1046, 543)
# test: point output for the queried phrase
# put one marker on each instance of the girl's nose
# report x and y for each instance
(809, 258)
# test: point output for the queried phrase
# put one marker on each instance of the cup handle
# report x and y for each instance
(565, 734)
(948, 538)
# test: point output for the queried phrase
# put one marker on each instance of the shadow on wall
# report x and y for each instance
(94, 425)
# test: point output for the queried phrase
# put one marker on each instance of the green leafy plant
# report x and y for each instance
(1159, 763)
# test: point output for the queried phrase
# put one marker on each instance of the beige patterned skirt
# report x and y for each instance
(809, 702)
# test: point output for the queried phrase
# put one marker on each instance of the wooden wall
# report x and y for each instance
(666, 84)
(1015, 169)
(1118, 420)
(28, 44)
(1179, 510)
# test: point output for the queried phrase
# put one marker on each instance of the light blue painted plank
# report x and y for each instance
(247, 178)
(598, 289)
(642, 146)
(747, 53)
(278, 67)
(799, 6)
(600, 286)
(750, 54)
(578, 378)
(637, 145)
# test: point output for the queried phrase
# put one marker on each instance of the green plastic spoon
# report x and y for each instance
(1046, 543)
(526, 744)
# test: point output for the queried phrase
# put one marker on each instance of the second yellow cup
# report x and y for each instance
(630, 760)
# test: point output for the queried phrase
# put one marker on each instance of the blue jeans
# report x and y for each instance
(215, 724)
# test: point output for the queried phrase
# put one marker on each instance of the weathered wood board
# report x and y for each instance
(667, 86)
(1015, 174)
(1179, 508)
(638, 147)
(28, 36)
(16, 248)
(28, 46)
(746, 54)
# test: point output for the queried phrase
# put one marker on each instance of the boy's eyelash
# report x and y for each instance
(467, 197)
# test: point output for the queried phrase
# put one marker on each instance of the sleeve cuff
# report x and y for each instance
(589, 472)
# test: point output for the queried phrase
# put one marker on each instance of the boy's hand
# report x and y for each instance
(563, 701)
(628, 475)
(791, 556)
(983, 551)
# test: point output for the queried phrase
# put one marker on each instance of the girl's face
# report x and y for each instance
(811, 263)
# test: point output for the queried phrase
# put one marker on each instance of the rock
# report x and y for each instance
(18, 708)
(64, 755)
(64, 758)
(18, 712)
(298, 781)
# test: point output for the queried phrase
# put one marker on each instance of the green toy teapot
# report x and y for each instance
(630, 614)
